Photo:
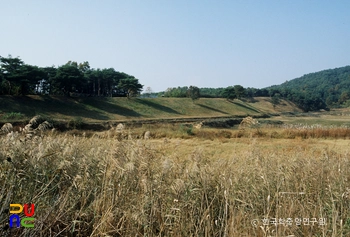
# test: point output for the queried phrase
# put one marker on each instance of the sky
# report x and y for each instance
(171, 43)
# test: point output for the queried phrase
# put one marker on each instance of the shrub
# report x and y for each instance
(76, 123)
(13, 116)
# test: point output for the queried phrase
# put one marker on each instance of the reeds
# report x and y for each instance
(91, 186)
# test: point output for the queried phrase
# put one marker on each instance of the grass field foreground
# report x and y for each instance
(94, 186)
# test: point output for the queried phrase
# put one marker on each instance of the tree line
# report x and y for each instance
(314, 91)
(230, 92)
(307, 102)
(18, 78)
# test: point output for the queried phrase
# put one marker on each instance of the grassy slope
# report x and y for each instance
(97, 109)
(264, 104)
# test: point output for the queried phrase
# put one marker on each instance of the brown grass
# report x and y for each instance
(214, 184)
(187, 131)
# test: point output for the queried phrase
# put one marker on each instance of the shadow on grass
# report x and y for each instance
(105, 105)
(63, 105)
(157, 106)
(210, 108)
(245, 106)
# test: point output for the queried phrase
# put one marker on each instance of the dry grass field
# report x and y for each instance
(266, 181)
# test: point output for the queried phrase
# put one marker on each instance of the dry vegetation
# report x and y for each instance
(214, 183)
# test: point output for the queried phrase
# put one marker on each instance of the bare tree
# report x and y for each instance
(148, 92)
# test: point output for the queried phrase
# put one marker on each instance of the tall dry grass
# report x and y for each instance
(269, 131)
(93, 186)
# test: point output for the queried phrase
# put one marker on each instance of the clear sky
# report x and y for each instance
(170, 43)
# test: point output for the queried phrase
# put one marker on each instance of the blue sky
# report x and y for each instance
(174, 43)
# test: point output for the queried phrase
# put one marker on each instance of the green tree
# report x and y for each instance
(72, 63)
(95, 77)
(10, 69)
(19, 78)
(193, 93)
(108, 81)
(84, 67)
(239, 91)
(68, 79)
(229, 93)
(167, 92)
(30, 78)
(345, 95)
(250, 92)
(47, 84)
(211, 92)
(130, 86)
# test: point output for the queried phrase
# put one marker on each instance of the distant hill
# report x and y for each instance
(331, 87)
(311, 92)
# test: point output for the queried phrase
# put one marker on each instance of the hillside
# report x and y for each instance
(264, 105)
(116, 108)
(332, 86)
